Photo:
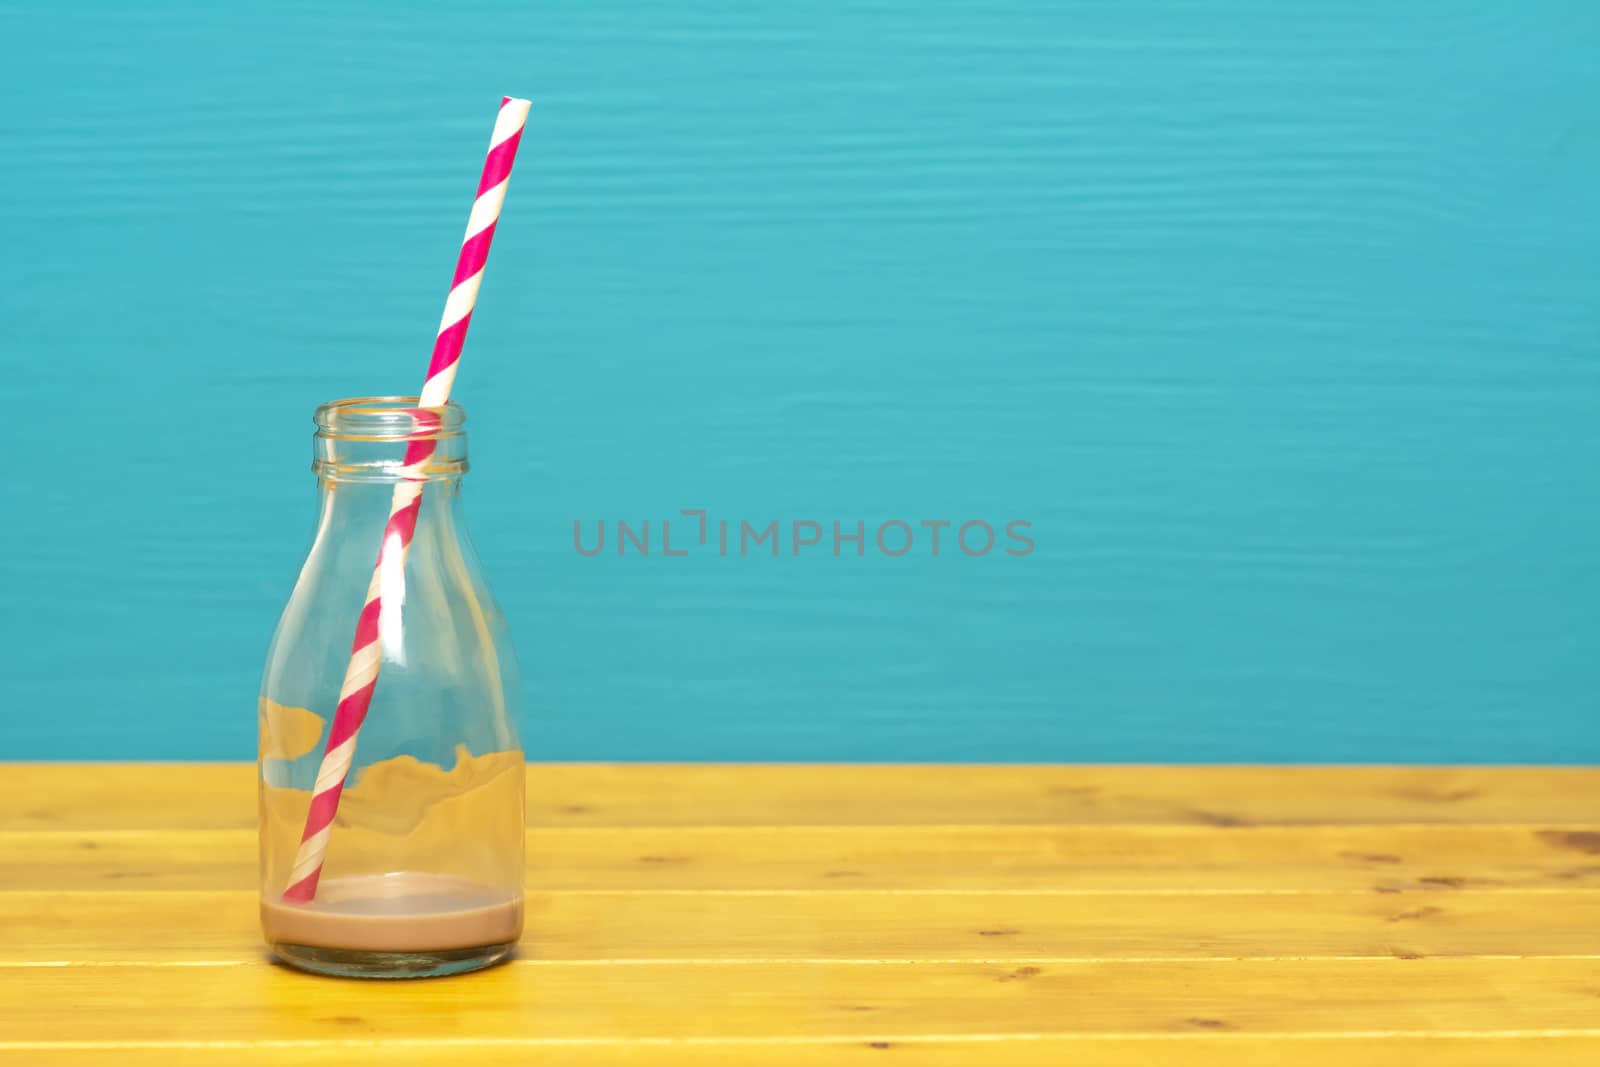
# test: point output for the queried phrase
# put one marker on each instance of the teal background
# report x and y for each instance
(1278, 320)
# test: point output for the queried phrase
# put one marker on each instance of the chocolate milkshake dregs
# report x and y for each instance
(406, 813)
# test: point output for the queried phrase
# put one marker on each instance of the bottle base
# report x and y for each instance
(362, 963)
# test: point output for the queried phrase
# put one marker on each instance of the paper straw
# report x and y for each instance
(361, 677)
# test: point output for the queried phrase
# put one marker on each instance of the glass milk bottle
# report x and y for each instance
(413, 866)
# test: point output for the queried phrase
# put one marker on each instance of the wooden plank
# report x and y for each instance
(222, 796)
(188, 926)
(1184, 934)
(832, 795)
(868, 1001)
(129, 796)
(1179, 859)
(1083, 1050)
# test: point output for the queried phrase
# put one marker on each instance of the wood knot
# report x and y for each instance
(1371, 857)
(1018, 974)
(1425, 795)
(1214, 818)
(1575, 873)
(1443, 881)
(1585, 841)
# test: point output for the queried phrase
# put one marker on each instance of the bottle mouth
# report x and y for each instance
(373, 439)
(387, 418)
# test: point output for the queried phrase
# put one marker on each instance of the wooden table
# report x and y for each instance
(855, 915)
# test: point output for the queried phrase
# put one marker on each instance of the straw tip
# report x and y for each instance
(515, 101)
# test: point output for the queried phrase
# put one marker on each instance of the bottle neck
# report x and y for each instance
(353, 519)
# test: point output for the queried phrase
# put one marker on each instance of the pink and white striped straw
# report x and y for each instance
(361, 677)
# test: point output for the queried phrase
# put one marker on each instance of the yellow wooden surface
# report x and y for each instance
(819, 915)
(146, 796)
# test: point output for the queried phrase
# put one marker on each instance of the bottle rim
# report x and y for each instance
(387, 418)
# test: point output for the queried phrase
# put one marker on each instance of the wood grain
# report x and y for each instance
(1179, 859)
(874, 1001)
(208, 796)
(1433, 1049)
(803, 915)
(57, 928)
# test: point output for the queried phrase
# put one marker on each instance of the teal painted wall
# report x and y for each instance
(1279, 321)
